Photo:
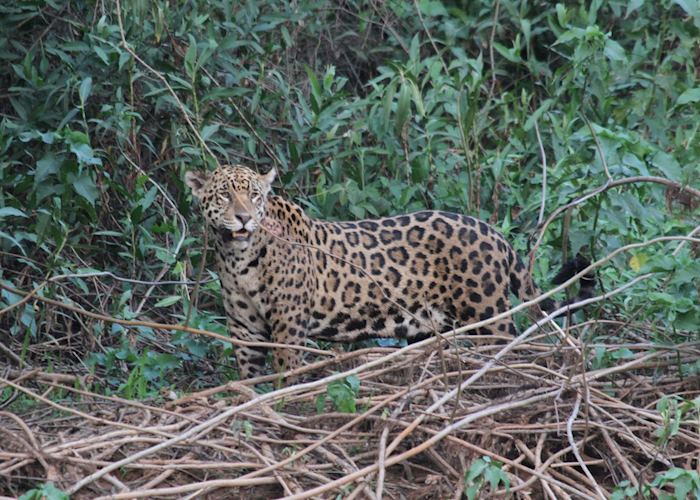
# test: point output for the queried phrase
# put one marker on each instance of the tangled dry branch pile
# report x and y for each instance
(426, 412)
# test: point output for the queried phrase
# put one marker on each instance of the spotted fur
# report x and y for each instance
(404, 276)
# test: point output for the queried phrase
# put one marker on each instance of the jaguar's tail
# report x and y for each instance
(523, 286)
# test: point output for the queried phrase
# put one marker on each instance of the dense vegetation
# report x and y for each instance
(365, 108)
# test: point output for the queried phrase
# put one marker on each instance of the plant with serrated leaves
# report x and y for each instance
(342, 393)
(482, 472)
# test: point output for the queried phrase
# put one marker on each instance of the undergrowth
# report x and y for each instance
(366, 109)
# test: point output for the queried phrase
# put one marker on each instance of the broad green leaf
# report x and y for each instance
(633, 5)
(562, 17)
(544, 107)
(191, 57)
(85, 154)
(614, 51)
(85, 89)
(432, 8)
(124, 57)
(168, 301)
(321, 402)
(414, 49)
(316, 93)
(74, 137)
(668, 165)
(353, 382)
(511, 54)
(102, 54)
(495, 476)
(690, 95)
(690, 7)
(209, 130)
(622, 353)
(48, 165)
(387, 102)
(5, 211)
(476, 469)
(403, 107)
(674, 473)
(637, 261)
(45, 492)
(288, 42)
(417, 98)
(85, 187)
(13, 241)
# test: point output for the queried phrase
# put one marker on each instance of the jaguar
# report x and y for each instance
(286, 276)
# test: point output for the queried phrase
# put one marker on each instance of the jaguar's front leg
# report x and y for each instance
(251, 360)
(288, 329)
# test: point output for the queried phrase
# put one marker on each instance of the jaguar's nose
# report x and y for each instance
(244, 218)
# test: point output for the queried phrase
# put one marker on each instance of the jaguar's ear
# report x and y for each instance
(269, 177)
(196, 180)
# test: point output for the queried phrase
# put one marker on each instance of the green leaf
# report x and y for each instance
(690, 95)
(248, 429)
(342, 395)
(11, 211)
(495, 476)
(85, 154)
(432, 8)
(85, 89)
(209, 130)
(387, 101)
(417, 98)
(168, 301)
(353, 382)
(74, 137)
(472, 491)
(544, 107)
(403, 107)
(45, 492)
(414, 49)
(476, 469)
(191, 57)
(614, 51)
(674, 473)
(562, 17)
(148, 198)
(622, 353)
(102, 55)
(288, 42)
(316, 93)
(668, 165)
(124, 57)
(48, 165)
(320, 402)
(13, 241)
(511, 54)
(633, 5)
(85, 187)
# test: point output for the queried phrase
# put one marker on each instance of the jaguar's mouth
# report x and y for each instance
(228, 235)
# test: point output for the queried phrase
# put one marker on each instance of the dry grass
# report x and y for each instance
(560, 428)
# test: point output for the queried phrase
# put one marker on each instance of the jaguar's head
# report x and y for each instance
(233, 200)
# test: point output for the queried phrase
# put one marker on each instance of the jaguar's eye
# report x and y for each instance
(255, 198)
(224, 198)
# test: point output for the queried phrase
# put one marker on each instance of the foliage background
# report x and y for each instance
(366, 108)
